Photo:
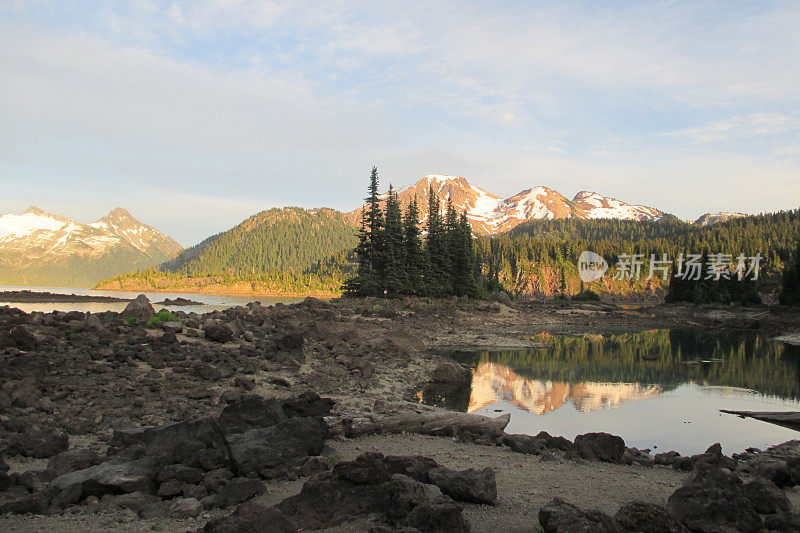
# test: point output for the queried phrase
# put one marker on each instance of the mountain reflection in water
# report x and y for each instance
(575, 385)
(492, 382)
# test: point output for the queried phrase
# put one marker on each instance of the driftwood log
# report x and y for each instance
(444, 423)
(787, 419)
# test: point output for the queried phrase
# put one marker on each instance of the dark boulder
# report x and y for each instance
(712, 499)
(452, 374)
(19, 337)
(217, 331)
(439, 516)
(766, 497)
(251, 411)
(271, 452)
(239, 490)
(39, 444)
(250, 517)
(110, 477)
(666, 458)
(206, 371)
(72, 460)
(135, 501)
(308, 404)
(474, 486)
(182, 473)
(643, 517)
(416, 467)
(367, 469)
(291, 341)
(776, 471)
(198, 443)
(139, 309)
(558, 516)
(783, 522)
(31, 503)
(536, 444)
(364, 487)
(713, 456)
(600, 447)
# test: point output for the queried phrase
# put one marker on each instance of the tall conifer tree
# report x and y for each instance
(415, 258)
(394, 274)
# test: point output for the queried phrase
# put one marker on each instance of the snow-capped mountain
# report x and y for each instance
(489, 214)
(709, 219)
(39, 248)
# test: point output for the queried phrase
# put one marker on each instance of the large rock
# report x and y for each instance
(713, 456)
(712, 500)
(185, 507)
(239, 490)
(600, 447)
(217, 331)
(198, 443)
(251, 411)
(139, 309)
(536, 444)
(452, 374)
(71, 460)
(308, 404)
(19, 337)
(364, 487)
(39, 444)
(783, 522)
(766, 497)
(250, 517)
(777, 472)
(474, 486)
(181, 473)
(643, 517)
(273, 451)
(438, 516)
(112, 477)
(558, 516)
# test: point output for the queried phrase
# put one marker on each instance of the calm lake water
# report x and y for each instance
(210, 302)
(657, 389)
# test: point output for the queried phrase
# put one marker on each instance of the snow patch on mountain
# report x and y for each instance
(26, 224)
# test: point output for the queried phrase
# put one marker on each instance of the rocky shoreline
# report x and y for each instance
(245, 419)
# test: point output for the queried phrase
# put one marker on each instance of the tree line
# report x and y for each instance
(396, 257)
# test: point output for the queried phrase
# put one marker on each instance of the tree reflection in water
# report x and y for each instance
(597, 372)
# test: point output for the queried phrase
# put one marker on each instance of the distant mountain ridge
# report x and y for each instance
(489, 214)
(41, 248)
(714, 218)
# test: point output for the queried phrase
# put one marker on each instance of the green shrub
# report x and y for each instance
(161, 316)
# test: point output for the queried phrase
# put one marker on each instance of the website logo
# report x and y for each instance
(591, 266)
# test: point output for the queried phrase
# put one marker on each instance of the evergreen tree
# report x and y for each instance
(369, 251)
(374, 221)
(394, 271)
(463, 259)
(416, 266)
(790, 286)
(438, 279)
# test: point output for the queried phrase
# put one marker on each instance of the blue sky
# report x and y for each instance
(195, 115)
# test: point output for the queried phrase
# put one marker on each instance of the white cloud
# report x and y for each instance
(741, 127)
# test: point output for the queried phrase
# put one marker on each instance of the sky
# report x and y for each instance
(196, 115)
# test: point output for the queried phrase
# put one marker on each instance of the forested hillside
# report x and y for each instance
(539, 258)
(288, 239)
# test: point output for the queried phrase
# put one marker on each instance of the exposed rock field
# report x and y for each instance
(286, 418)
